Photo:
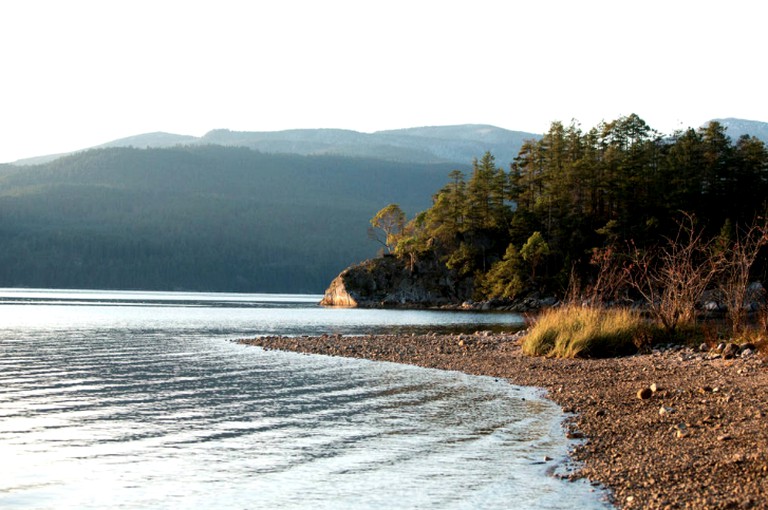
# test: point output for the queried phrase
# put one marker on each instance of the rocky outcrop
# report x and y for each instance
(338, 295)
(387, 282)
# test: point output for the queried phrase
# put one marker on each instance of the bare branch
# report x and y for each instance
(672, 278)
(735, 260)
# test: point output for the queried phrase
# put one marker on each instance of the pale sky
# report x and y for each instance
(78, 73)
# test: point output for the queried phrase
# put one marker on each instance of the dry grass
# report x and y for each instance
(581, 332)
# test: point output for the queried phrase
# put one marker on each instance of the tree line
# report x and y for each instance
(621, 185)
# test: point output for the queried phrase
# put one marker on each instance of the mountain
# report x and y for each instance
(435, 144)
(203, 217)
(736, 128)
(426, 145)
(155, 140)
(423, 145)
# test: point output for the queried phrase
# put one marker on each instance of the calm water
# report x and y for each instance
(139, 400)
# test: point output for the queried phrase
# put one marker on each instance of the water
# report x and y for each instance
(138, 400)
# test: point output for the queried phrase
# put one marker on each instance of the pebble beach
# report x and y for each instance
(673, 428)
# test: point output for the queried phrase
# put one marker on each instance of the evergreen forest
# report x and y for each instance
(227, 218)
(621, 185)
(205, 218)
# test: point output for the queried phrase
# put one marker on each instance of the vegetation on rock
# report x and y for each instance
(620, 187)
(616, 214)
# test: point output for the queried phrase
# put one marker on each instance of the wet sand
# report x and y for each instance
(700, 440)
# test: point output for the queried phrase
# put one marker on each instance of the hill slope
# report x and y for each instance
(198, 218)
(739, 127)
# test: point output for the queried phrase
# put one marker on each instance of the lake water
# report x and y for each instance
(140, 400)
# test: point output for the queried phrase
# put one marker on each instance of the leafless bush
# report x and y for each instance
(735, 260)
(610, 279)
(673, 277)
(607, 284)
(573, 294)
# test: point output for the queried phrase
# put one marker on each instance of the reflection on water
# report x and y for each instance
(225, 314)
(103, 406)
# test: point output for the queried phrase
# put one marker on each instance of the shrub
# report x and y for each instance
(504, 279)
(672, 278)
(573, 331)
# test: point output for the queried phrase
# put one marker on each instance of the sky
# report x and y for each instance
(79, 73)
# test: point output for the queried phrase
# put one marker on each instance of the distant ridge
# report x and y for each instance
(423, 145)
(156, 140)
(736, 128)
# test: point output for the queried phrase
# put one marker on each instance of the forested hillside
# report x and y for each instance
(499, 233)
(198, 218)
(212, 217)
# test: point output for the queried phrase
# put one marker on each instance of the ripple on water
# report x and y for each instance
(94, 418)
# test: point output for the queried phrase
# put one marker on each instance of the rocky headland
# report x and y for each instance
(386, 282)
(673, 428)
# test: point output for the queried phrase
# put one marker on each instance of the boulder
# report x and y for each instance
(730, 351)
(338, 295)
(387, 282)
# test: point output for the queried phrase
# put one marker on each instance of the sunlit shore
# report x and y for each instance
(698, 441)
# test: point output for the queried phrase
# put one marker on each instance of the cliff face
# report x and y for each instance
(386, 282)
(338, 295)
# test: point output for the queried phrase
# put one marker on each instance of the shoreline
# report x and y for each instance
(699, 441)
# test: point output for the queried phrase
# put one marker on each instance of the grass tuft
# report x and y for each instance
(585, 332)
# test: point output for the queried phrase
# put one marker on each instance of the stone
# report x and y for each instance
(337, 295)
(711, 306)
(730, 351)
(666, 410)
(655, 387)
(548, 301)
(644, 394)
(388, 282)
(681, 430)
